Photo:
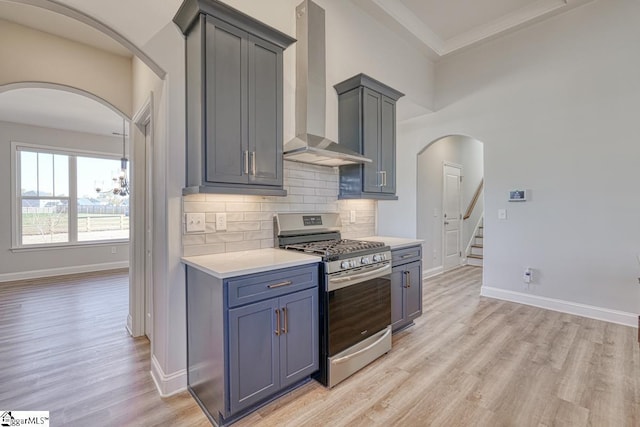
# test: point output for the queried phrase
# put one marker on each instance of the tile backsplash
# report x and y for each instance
(310, 188)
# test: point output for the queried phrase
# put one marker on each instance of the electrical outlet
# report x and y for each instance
(352, 216)
(114, 250)
(528, 275)
(502, 214)
(195, 222)
(221, 221)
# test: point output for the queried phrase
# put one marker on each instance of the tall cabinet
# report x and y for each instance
(234, 100)
(367, 124)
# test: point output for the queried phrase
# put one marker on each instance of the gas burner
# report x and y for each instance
(333, 249)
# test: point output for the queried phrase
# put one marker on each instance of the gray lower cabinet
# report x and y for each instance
(367, 124)
(406, 286)
(272, 344)
(250, 338)
(234, 100)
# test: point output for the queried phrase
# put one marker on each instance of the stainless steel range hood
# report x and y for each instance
(310, 145)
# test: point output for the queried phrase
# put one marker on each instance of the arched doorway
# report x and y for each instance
(45, 16)
(449, 178)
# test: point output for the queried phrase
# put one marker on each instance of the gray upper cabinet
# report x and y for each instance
(234, 100)
(367, 124)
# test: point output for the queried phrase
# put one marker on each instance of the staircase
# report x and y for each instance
(475, 256)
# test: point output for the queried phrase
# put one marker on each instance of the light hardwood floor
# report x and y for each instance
(468, 361)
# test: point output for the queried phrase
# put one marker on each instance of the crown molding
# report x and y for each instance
(395, 14)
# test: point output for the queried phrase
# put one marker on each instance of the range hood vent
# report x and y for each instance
(309, 145)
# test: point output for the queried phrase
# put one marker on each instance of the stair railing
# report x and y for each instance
(473, 202)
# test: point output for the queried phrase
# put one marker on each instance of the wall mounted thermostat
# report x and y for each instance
(518, 196)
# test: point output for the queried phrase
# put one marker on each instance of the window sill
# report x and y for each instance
(57, 246)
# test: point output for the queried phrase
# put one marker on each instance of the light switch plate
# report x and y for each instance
(352, 216)
(502, 214)
(221, 221)
(194, 222)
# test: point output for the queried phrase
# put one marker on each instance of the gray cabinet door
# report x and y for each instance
(397, 297)
(265, 112)
(253, 353)
(413, 290)
(371, 102)
(388, 145)
(299, 340)
(406, 294)
(226, 103)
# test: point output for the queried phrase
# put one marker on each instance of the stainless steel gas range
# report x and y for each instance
(355, 294)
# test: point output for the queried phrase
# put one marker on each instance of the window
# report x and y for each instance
(57, 201)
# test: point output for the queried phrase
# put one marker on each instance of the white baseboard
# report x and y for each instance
(130, 324)
(168, 385)
(590, 311)
(61, 271)
(432, 272)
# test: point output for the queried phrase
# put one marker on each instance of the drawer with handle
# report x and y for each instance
(406, 255)
(256, 287)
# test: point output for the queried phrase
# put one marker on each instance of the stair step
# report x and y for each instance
(476, 262)
(477, 245)
(474, 256)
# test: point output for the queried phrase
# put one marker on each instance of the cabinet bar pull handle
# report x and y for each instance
(380, 179)
(384, 178)
(253, 163)
(406, 256)
(277, 331)
(245, 154)
(286, 321)
(408, 279)
(279, 285)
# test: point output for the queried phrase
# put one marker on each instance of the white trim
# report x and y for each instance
(61, 271)
(138, 227)
(432, 272)
(168, 385)
(584, 310)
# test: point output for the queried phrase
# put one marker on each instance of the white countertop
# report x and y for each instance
(232, 264)
(393, 242)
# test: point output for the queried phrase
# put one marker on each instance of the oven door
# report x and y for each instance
(359, 306)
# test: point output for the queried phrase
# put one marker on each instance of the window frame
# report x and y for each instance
(72, 204)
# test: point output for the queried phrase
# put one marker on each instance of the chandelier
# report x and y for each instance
(120, 182)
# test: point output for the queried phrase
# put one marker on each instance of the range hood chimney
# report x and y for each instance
(310, 145)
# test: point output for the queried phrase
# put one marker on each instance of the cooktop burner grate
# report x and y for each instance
(329, 248)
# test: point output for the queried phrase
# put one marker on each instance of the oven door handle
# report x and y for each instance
(364, 350)
(341, 282)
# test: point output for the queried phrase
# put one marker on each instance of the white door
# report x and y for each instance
(452, 216)
(148, 267)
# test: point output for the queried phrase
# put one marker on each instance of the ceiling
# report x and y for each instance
(442, 27)
(436, 27)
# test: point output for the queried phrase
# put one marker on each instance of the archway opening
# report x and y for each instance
(450, 208)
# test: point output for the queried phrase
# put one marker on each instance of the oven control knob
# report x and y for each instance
(345, 264)
(365, 260)
(377, 258)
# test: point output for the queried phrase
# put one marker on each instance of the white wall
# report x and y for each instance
(556, 106)
(27, 264)
(461, 150)
(41, 57)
